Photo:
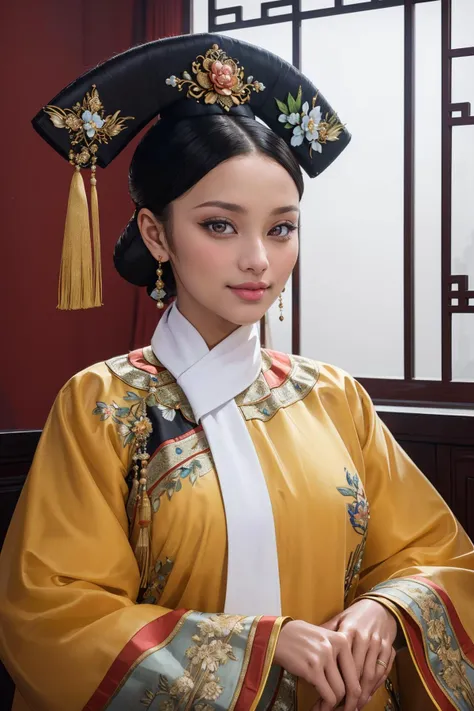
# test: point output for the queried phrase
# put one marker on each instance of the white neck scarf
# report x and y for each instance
(211, 379)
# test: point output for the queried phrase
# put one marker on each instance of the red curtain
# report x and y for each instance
(166, 19)
(43, 46)
(160, 19)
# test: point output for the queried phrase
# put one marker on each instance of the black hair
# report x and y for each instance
(171, 158)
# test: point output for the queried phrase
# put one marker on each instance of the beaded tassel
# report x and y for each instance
(139, 505)
(160, 284)
(133, 495)
(280, 305)
(142, 549)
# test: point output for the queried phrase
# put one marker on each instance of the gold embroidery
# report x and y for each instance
(260, 402)
(87, 126)
(200, 683)
(354, 565)
(187, 458)
(130, 421)
(151, 650)
(168, 393)
(359, 517)
(286, 697)
(218, 79)
(245, 663)
(123, 369)
(159, 578)
(454, 672)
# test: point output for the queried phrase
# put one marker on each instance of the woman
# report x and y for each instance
(194, 532)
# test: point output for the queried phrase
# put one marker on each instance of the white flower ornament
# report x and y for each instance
(308, 124)
(167, 413)
(92, 122)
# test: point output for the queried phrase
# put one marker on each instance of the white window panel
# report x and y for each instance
(462, 23)
(352, 236)
(428, 191)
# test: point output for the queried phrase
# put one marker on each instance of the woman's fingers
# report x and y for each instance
(338, 680)
(370, 674)
(382, 665)
(335, 681)
(387, 671)
(324, 688)
(360, 647)
(351, 678)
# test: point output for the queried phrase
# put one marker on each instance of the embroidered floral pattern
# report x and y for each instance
(173, 482)
(258, 402)
(199, 682)
(166, 391)
(159, 578)
(308, 124)
(449, 666)
(188, 458)
(88, 126)
(358, 511)
(262, 402)
(218, 79)
(442, 644)
(131, 420)
(285, 699)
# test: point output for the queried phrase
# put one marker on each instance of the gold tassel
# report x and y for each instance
(142, 548)
(75, 278)
(97, 269)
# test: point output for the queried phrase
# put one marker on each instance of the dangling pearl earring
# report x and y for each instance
(160, 292)
(280, 305)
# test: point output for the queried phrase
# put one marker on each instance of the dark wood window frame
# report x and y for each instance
(408, 390)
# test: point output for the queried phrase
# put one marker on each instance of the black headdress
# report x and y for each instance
(94, 118)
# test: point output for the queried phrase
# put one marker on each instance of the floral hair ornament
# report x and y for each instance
(308, 124)
(143, 82)
(80, 277)
(218, 79)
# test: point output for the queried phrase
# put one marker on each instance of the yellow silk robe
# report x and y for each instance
(353, 516)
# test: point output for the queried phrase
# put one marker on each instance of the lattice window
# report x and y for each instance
(434, 290)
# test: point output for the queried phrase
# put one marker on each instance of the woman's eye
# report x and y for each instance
(283, 231)
(219, 227)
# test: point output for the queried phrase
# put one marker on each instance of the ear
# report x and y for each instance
(153, 234)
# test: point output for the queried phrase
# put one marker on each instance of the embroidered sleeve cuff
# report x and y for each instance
(192, 660)
(439, 646)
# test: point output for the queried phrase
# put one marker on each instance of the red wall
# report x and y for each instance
(43, 46)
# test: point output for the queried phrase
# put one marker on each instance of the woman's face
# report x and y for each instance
(235, 242)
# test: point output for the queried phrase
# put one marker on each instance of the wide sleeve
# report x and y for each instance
(418, 561)
(71, 633)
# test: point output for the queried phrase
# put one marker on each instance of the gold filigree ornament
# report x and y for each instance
(80, 278)
(218, 79)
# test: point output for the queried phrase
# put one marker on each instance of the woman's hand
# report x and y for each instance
(370, 630)
(323, 658)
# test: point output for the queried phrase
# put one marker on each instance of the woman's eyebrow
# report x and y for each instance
(224, 205)
(285, 208)
(233, 207)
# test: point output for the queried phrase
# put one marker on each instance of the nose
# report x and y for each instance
(254, 257)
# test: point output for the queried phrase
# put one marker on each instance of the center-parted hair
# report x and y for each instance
(174, 156)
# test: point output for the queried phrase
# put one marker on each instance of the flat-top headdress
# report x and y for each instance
(92, 120)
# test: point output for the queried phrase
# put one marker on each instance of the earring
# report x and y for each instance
(280, 305)
(160, 292)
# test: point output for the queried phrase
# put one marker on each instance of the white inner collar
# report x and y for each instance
(211, 379)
